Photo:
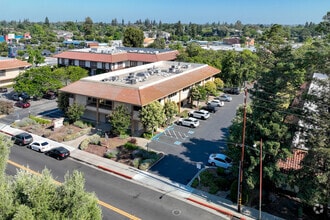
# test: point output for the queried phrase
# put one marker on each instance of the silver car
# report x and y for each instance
(225, 98)
(190, 122)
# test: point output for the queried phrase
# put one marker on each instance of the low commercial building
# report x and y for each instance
(137, 87)
(9, 69)
(105, 59)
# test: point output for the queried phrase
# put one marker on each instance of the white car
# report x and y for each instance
(190, 122)
(225, 98)
(202, 114)
(220, 160)
(216, 102)
(40, 146)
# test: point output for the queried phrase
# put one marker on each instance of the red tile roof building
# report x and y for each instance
(136, 87)
(10, 69)
(106, 59)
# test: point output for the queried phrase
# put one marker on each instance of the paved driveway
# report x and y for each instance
(185, 147)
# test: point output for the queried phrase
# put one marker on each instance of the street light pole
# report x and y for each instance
(239, 203)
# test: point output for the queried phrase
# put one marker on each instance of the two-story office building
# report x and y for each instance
(137, 87)
(106, 59)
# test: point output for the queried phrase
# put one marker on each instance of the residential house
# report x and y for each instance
(136, 87)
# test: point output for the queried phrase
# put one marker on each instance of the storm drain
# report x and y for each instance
(176, 212)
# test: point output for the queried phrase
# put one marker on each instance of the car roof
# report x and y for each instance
(221, 156)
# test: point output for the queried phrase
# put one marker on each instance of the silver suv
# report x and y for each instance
(202, 114)
(190, 122)
(22, 139)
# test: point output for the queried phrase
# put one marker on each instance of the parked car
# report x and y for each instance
(190, 122)
(210, 108)
(23, 96)
(22, 139)
(234, 91)
(225, 98)
(220, 160)
(40, 146)
(50, 95)
(216, 103)
(58, 153)
(22, 104)
(202, 114)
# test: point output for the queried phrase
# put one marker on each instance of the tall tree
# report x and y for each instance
(133, 37)
(88, 26)
(152, 116)
(120, 120)
(170, 109)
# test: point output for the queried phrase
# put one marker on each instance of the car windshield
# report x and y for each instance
(228, 160)
(44, 143)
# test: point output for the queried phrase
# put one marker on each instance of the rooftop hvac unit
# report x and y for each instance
(133, 80)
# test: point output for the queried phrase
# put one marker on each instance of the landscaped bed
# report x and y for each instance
(124, 151)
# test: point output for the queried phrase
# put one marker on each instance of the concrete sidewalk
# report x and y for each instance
(202, 199)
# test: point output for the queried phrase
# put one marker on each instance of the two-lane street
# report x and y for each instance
(132, 198)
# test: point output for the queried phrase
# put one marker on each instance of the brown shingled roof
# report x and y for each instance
(134, 95)
(293, 162)
(13, 64)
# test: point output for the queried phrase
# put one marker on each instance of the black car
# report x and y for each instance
(210, 108)
(234, 91)
(50, 95)
(3, 90)
(22, 139)
(21, 96)
(58, 153)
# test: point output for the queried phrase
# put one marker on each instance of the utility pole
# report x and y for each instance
(260, 181)
(239, 203)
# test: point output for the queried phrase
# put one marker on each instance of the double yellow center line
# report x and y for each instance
(104, 204)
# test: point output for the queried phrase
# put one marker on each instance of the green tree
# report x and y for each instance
(5, 144)
(133, 37)
(170, 110)
(88, 26)
(35, 56)
(75, 111)
(63, 101)
(197, 93)
(152, 115)
(314, 177)
(219, 83)
(36, 81)
(47, 22)
(211, 88)
(159, 43)
(70, 74)
(120, 120)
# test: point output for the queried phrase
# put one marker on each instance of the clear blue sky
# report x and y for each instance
(168, 11)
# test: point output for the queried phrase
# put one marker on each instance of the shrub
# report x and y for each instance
(24, 122)
(213, 189)
(111, 154)
(6, 107)
(132, 141)
(130, 146)
(147, 135)
(195, 183)
(220, 171)
(95, 139)
(39, 120)
(146, 164)
(84, 144)
(136, 162)
(81, 124)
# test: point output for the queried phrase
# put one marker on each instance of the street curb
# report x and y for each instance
(115, 172)
(230, 214)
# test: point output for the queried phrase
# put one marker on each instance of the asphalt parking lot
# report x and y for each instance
(186, 147)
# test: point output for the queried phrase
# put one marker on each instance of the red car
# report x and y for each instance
(22, 104)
